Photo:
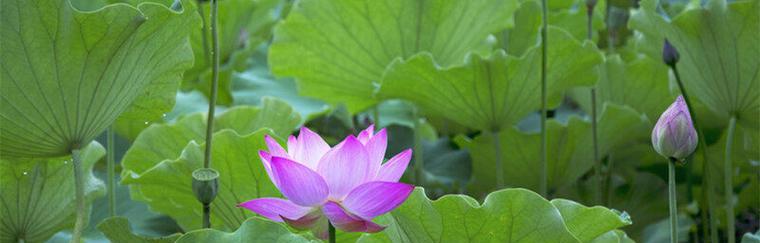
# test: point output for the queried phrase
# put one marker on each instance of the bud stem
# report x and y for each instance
(542, 188)
(701, 146)
(728, 181)
(673, 206)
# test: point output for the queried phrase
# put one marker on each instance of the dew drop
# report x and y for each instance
(146, 123)
(164, 115)
(25, 173)
(65, 162)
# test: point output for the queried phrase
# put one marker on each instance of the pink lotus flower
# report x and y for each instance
(348, 184)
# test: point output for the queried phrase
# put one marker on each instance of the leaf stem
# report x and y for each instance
(331, 232)
(595, 138)
(672, 205)
(111, 171)
(728, 181)
(499, 163)
(542, 188)
(79, 224)
(703, 147)
(212, 101)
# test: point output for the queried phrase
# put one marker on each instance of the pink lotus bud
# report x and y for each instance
(674, 136)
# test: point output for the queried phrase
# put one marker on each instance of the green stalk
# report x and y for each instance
(672, 201)
(79, 189)
(542, 188)
(703, 147)
(728, 181)
(595, 137)
(111, 171)
(212, 101)
(331, 232)
(499, 163)
(376, 115)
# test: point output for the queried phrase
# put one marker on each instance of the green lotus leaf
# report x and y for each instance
(167, 189)
(641, 83)
(569, 150)
(717, 43)
(165, 141)
(253, 230)
(338, 50)
(69, 74)
(589, 223)
(117, 230)
(243, 26)
(37, 198)
(491, 93)
(509, 215)
(614, 236)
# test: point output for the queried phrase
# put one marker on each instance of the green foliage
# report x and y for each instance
(510, 215)
(492, 93)
(69, 74)
(569, 150)
(718, 48)
(37, 195)
(338, 50)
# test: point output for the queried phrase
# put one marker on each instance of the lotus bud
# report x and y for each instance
(669, 54)
(674, 136)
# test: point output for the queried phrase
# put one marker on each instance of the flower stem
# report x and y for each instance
(703, 147)
(111, 171)
(672, 201)
(499, 163)
(542, 188)
(331, 232)
(597, 163)
(79, 190)
(212, 101)
(728, 181)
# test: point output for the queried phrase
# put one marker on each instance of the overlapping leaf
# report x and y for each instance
(338, 50)
(718, 47)
(166, 141)
(69, 74)
(37, 195)
(569, 150)
(641, 83)
(117, 230)
(492, 93)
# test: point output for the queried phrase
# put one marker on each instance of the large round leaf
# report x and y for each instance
(491, 93)
(67, 75)
(510, 215)
(338, 50)
(718, 45)
(253, 230)
(37, 195)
